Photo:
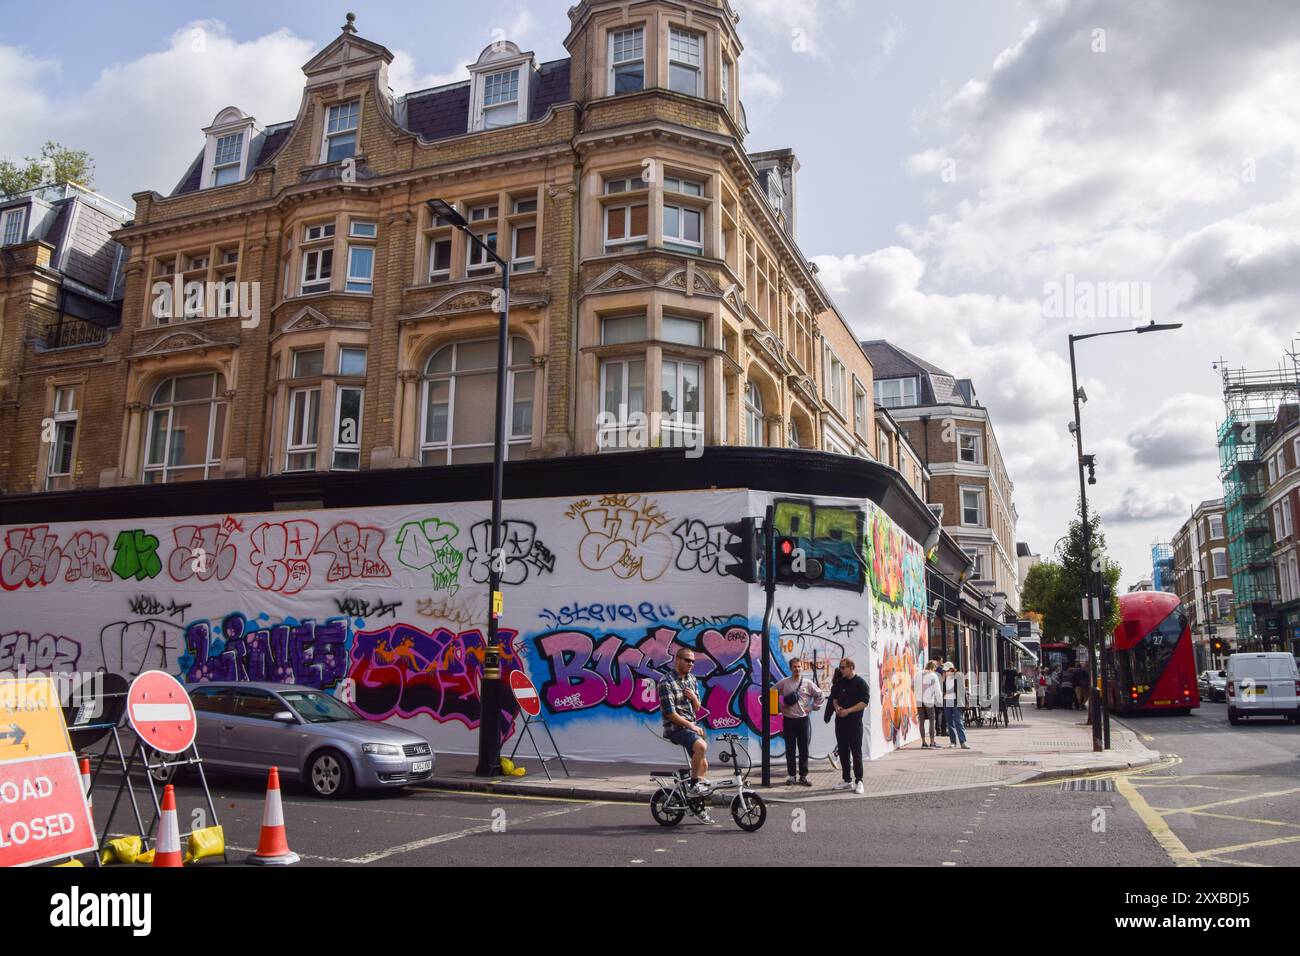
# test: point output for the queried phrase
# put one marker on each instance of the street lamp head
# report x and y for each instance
(440, 207)
(1153, 327)
(1081, 395)
(1072, 427)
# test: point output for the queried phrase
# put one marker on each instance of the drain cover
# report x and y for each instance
(1088, 786)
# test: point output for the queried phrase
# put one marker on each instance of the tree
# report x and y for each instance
(57, 164)
(1045, 594)
(1055, 589)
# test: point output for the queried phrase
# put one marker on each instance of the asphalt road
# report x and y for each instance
(1230, 796)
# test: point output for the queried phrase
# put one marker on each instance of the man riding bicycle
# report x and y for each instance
(679, 701)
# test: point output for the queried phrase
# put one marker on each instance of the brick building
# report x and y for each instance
(944, 420)
(1203, 582)
(61, 279)
(1279, 448)
(339, 324)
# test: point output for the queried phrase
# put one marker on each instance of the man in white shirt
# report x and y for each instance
(798, 697)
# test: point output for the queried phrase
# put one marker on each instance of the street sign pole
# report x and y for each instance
(765, 653)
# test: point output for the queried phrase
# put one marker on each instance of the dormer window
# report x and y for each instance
(500, 99)
(341, 122)
(226, 164)
(13, 225)
(685, 62)
(225, 158)
(627, 61)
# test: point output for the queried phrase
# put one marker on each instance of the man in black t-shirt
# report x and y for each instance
(850, 698)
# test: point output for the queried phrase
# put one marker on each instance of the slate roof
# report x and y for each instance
(433, 114)
(938, 387)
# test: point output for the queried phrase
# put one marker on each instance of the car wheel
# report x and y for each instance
(329, 774)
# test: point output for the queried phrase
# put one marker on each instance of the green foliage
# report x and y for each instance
(1054, 588)
(55, 165)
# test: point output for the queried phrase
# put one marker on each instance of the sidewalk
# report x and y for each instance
(1047, 743)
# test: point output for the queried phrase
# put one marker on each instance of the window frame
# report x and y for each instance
(1214, 568)
(677, 427)
(293, 447)
(218, 167)
(755, 415)
(700, 42)
(638, 30)
(964, 433)
(883, 400)
(328, 137)
(353, 447)
(365, 358)
(448, 447)
(1211, 533)
(14, 214)
(981, 506)
(214, 403)
(624, 424)
(65, 420)
(487, 109)
(364, 285)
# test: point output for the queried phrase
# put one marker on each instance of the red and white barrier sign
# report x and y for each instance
(160, 711)
(525, 693)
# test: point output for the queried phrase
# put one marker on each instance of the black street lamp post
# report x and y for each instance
(490, 694)
(1093, 578)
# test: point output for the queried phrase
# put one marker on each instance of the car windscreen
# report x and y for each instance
(317, 708)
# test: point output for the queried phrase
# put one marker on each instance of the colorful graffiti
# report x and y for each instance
(291, 652)
(20, 651)
(830, 533)
(402, 671)
(611, 672)
(897, 685)
(426, 545)
(136, 555)
(623, 535)
(32, 558)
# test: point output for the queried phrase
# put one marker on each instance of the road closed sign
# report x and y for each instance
(43, 812)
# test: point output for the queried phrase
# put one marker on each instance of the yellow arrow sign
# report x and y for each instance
(31, 720)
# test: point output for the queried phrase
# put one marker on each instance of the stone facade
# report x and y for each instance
(652, 261)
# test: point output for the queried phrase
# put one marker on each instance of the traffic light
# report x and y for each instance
(745, 546)
(793, 566)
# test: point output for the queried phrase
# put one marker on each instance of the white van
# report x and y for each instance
(1263, 685)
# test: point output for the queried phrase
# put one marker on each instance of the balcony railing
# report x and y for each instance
(66, 332)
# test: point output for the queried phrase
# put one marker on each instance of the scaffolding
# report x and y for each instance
(1162, 567)
(1252, 400)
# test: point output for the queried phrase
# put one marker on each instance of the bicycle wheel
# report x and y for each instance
(750, 813)
(666, 813)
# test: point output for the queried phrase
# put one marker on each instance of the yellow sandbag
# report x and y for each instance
(210, 841)
(146, 858)
(71, 863)
(509, 769)
(122, 850)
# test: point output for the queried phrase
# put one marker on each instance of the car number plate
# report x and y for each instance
(421, 766)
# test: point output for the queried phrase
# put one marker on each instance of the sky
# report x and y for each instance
(979, 179)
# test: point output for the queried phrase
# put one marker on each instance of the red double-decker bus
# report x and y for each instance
(1150, 667)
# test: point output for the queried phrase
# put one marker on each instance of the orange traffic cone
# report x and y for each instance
(273, 844)
(167, 847)
(85, 785)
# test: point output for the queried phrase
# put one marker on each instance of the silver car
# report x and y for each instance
(1213, 685)
(310, 736)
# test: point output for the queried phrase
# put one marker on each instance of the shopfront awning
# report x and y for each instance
(1016, 643)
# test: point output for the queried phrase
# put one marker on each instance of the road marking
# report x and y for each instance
(448, 837)
(1189, 786)
(1277, 841)
(1216, 859)
(1228, 816)
(1170, 760)
(1170, 811)
(515, 796)
(948, 863)
(1164, 836)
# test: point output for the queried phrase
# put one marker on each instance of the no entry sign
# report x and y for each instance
(525, 693)
(43, 812)
(160, 711)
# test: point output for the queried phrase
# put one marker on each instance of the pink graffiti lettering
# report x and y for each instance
(212, 540)
(281, 552)
(86, 553)
(355, 550)
(32, 557)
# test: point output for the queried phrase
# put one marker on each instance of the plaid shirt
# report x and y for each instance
(673, 699)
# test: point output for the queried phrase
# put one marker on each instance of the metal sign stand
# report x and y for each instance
(127, 764)
(528, 730)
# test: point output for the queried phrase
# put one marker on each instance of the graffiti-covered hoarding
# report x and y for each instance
(386, 608)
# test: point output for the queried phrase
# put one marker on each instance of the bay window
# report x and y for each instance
(347, 427)
(680, 405)
(361, 269)
(627, 224)
(622, 396)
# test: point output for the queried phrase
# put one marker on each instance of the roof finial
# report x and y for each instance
(351, 25)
